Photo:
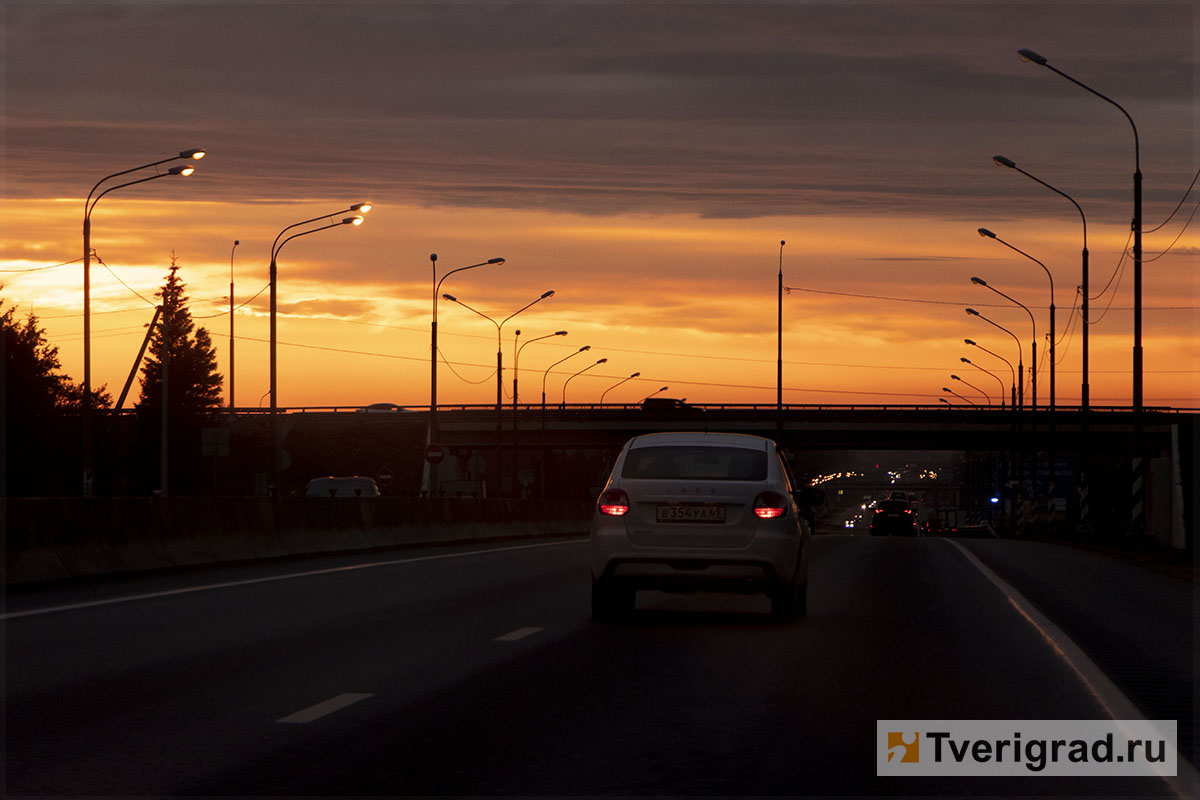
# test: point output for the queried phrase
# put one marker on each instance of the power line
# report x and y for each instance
(1182, 200)
(51, 266)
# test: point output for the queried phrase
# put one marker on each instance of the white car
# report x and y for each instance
(685, 512)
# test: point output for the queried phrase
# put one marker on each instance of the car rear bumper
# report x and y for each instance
(771, 557)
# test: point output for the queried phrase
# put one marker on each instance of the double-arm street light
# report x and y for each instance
(1020, 399)
(988, 234)
(969, 362)
(615, 385)
(976, 388)
(89, 205)
(1031, 56)
(499, 346)
(576, 375)
(356, 210)
(499, 368)
(1032, 343)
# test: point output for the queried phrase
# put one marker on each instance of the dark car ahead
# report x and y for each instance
(894, 518)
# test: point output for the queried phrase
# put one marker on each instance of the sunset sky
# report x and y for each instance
(643, 161)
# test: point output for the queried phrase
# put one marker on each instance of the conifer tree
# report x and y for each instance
(193, 383)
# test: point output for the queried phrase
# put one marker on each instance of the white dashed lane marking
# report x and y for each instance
(324, 708)
(519, 633)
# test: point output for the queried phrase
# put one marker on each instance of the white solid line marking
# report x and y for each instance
(324, 708)
(1111, 698)
(519, 633)
(289, 576)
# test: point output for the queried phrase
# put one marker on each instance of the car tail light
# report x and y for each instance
(614, 503)
(769, 505)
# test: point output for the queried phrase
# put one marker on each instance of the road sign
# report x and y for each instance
(386, 477)
(434, 453)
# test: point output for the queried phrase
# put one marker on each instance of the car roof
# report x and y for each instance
(699, 437)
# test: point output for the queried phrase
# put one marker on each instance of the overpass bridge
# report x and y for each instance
(1080, 460)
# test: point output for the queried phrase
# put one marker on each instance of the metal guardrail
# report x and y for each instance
(628, 407)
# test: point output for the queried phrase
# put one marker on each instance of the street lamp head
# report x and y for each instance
(947, 389)
(986, 232)
(634, 375)
(450, 297)
(547, 294)
(955, 378)
(979, 281)
(195, 153)
(970, 342)
(495, 261)
(602, 361)
(355, 220)
(188, 170)
(964, 359)
(1001, 161)
(944, 400)
(972, 312)
(361, 208)
(560, 333)
(584, 348)
(1028, 55)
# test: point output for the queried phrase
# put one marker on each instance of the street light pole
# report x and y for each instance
(976, 388)
(615, 385)
(1011, 370)
(276, 246)
(1032, 342)
(966, 360)
(779, 341)
(499, 367)
(89, 204)
(517, 359)
(576, 375)
(985, 232)
(1029, 55)
(1020, 402)
(232, 413)
(948, 390)
(433, 355)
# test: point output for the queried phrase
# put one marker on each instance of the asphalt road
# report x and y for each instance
(480, 673)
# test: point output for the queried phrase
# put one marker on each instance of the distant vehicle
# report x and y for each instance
(664, 404)
(686, 512)
(894, 517)
(900, 496)
(382, 407)
(351, 486)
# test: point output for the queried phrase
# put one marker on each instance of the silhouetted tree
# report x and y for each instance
(193, 383)
(193, 386)
(36, 404)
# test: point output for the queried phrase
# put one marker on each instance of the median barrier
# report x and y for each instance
(61, 538)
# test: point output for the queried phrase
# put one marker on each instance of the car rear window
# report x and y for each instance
(893, 505)
(696, 462)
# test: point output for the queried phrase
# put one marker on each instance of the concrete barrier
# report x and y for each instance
(59, 538)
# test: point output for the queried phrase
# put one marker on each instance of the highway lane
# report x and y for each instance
(481, 673)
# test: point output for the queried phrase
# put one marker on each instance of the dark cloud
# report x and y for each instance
(725, 111)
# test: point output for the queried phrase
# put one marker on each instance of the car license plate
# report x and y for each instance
(691, 513)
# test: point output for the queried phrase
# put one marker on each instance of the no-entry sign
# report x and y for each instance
(434, 453)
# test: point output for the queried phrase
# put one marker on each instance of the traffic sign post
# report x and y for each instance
(434, 453)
